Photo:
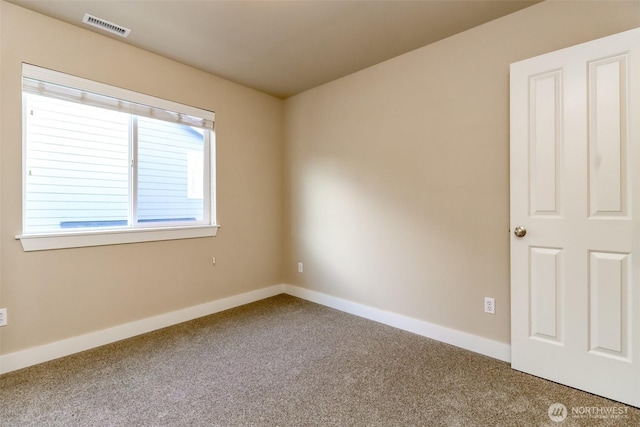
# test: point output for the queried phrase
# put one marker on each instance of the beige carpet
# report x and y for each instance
(286, 362)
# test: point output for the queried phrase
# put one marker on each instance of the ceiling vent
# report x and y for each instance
(105, 25)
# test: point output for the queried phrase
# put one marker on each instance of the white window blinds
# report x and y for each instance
(41, 81)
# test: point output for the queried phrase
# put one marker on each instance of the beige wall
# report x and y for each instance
(53, 295)
(398, 175)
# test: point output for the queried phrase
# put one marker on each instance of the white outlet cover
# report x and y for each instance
(489, 305)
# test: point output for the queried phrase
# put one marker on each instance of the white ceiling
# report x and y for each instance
(281, 47)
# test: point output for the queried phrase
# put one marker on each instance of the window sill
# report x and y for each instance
(43, 242)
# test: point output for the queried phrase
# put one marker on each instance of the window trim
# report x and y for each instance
(132, 234)
(116, 236)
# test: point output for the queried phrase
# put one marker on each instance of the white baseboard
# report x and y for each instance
(32, 356)
(454, 337)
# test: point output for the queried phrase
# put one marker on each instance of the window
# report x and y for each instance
(104, 165)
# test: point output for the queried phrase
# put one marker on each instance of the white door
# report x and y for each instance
(575, 189)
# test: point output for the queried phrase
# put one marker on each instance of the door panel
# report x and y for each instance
(607, 137)
(545, 147)
(545, 292)
(575, 187)
(608, 294)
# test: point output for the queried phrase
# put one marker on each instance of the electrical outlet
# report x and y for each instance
(213, 260)
(300, 267)
(489, 305)
(3, 317)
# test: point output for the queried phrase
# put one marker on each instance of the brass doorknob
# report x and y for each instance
(520, 231)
